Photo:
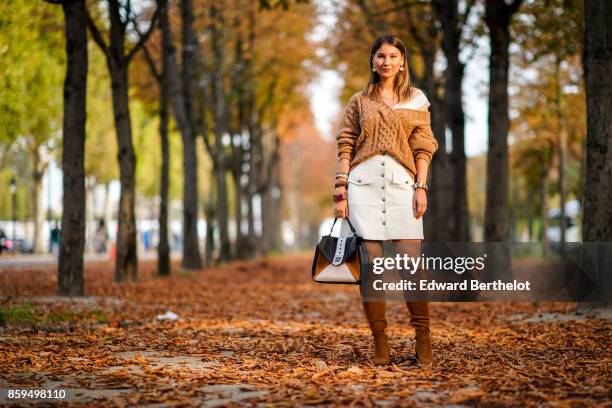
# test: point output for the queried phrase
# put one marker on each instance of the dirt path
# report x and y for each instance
(261, 333)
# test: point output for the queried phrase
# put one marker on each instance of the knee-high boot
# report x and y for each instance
(375, 313)
(419, 319)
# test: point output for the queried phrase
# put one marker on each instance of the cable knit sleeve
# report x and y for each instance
(348, 129)
(422, 141)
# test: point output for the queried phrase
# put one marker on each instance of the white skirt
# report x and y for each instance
(380, 201)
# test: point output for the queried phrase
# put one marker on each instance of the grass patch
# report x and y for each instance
(100, 315)
(62, 316)
(23, 313)
(26, 313)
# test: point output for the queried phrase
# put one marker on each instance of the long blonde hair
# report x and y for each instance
(402, 86)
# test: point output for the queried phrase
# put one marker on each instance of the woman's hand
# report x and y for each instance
(419, 203)
(341, 207)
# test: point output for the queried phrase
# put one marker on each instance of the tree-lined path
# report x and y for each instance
(261, 332)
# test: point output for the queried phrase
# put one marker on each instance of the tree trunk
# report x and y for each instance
(543, 205)
(562, 153)
(597, 211)
(126, 263)
(437, 227)
(497, 17)
(496, 223)
(70, 268)
(220, 116)
(581, 186)
(39, 213)
(238, 195)
(250, 104)
(222, 206)
(270, 220)
(293, 195)
(448, 15)
(260, 186)
(529, 219)
(293, 203)
(90, 230)
(597, 214)
(236, 130)
(177, 95)
(514, 216)
(562, 190)
(271, 203)
(251, 234)
(163, 248)
(209, 212)
(191, 243)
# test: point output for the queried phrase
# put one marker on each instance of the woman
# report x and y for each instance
(385, 145)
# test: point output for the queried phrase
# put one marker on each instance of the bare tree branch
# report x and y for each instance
(376, 26)
(514, 6)
(419, 39)
(144, 37)
(97, 35)
(399, 6)
(156, 73)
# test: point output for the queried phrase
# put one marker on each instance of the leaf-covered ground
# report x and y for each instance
(261, 333)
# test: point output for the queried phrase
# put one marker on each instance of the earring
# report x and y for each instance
(401, 67)
(373, 68)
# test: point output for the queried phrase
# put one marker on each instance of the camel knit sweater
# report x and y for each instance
(369, 126)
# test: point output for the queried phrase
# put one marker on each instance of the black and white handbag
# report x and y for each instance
(340, 259)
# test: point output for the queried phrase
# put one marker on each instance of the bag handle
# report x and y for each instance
(349, 223)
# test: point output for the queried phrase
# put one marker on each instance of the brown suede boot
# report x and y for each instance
(375, 313)
(419, 319)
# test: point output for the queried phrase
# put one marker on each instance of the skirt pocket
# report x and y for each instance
(401, 183)
(360, 189)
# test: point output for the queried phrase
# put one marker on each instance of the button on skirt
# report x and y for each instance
(380, 201)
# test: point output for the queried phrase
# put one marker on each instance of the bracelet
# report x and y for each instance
(340, 174)
(340, 184)
(339, 197)
(420, 185)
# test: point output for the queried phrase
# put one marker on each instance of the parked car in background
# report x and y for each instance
(22, 246)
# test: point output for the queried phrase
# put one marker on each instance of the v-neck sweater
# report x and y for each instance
(369, 126)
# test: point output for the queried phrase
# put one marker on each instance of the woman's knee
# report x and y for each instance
(374, 247)
(410, 247)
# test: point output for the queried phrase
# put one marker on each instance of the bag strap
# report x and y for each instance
(349, 223)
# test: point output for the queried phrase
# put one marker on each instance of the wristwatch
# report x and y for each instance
(339, 197)
(420, 185)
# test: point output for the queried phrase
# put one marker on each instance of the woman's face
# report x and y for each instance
(387, 60)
